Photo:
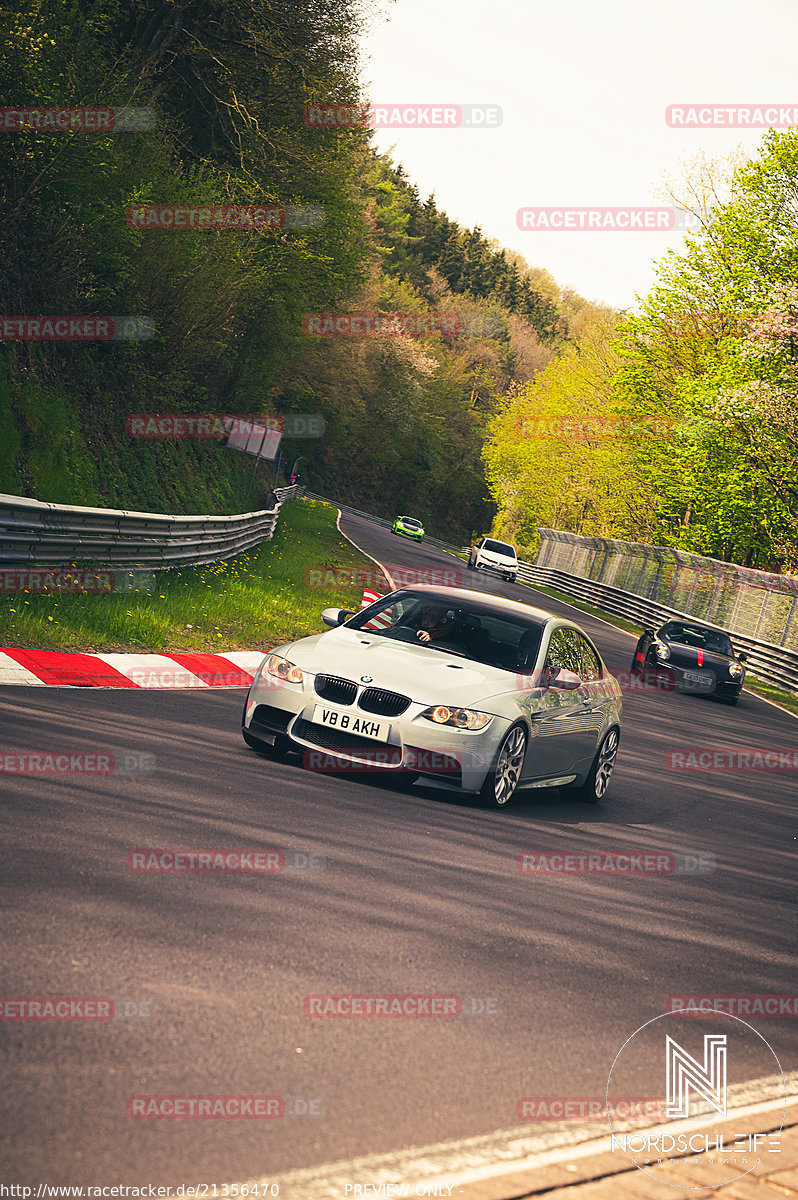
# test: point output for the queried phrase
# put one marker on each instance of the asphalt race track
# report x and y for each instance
(404, 889)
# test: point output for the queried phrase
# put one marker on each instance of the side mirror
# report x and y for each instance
(335, 616)
(565, 681)
(650, 632)
(742, 657)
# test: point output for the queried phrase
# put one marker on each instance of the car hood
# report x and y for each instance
(427, 676)
(503, 558)
(693, 657)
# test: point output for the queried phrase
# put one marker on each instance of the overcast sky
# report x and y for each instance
(583, 87)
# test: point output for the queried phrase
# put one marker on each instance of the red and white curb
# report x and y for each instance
(40, 668)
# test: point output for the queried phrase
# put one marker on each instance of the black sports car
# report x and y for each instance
(697, 658)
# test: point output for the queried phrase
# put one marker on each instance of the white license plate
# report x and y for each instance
(704, 680)
(352, 723)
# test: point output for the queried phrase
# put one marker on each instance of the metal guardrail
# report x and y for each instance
(58, 535)
(777, 665)
(762, 605)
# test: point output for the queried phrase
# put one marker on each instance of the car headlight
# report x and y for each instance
(282, 669)
(460, 718)
(662, 652)
(735, 669)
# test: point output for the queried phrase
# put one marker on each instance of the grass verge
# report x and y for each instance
(263, 597)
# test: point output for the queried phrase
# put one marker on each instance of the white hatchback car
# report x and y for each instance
(490, 555)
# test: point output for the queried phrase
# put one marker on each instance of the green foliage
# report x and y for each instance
(406, 417)
(712, 355)
(258, 599)
(552, 456)
(698, 394)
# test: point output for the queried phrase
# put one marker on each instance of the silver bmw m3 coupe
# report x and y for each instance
(487, 694)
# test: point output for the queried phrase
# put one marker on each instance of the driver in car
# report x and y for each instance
(432, 623)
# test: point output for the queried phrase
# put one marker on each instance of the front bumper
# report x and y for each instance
(414, 744)
(497, 568)
(698, 680)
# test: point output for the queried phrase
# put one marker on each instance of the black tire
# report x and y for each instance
(598, 777)
(730, 699)
(505, 770)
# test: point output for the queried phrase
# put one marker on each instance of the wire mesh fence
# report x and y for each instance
(757, 604)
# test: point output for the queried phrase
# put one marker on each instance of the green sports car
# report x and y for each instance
(408, 527)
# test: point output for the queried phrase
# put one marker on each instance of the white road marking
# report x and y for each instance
(456, 1164)
(385, 572)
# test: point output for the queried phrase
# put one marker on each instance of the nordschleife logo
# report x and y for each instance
(721, 1089)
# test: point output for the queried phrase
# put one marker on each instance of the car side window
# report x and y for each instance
(559, 653)
(570, 650)
(589, 664)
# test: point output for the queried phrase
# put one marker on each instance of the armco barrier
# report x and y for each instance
(32, 532)
(732, 592)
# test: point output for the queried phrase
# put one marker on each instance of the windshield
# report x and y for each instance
(411, 521)
(473, 631)
(698, 636)
(499, 548)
